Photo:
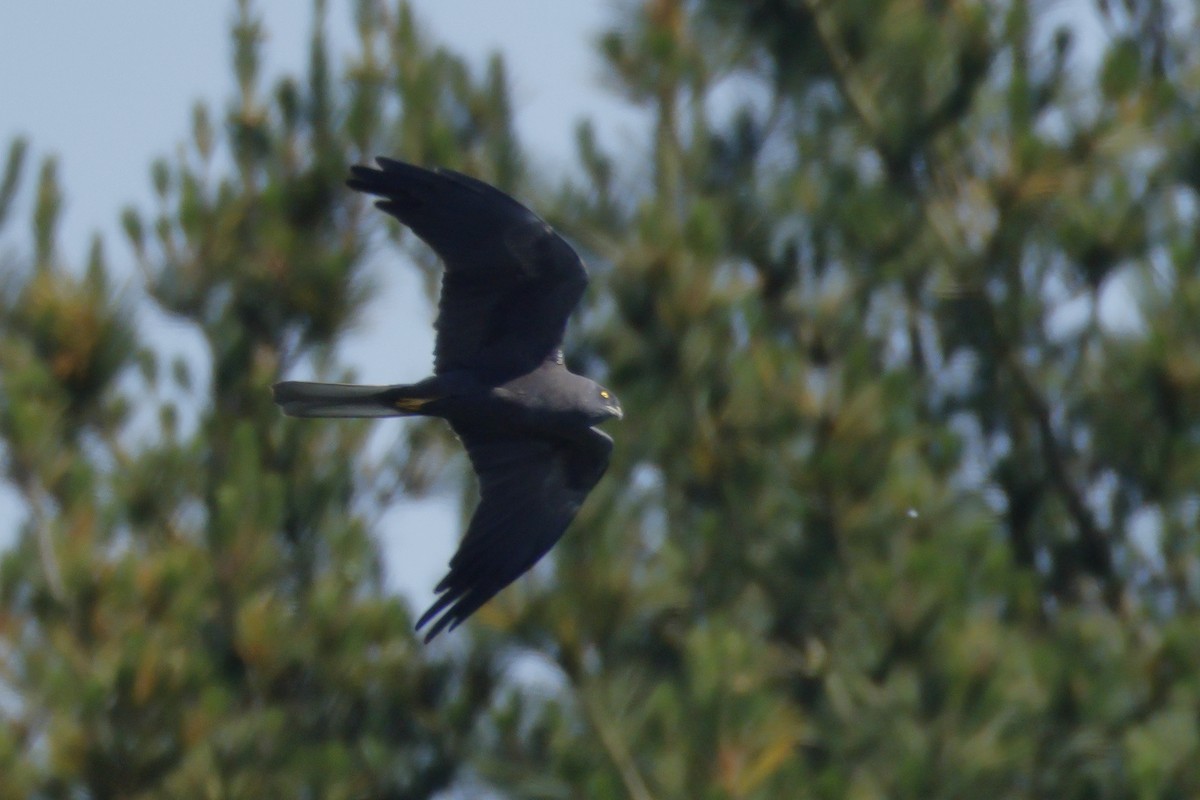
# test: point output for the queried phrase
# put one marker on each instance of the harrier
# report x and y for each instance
(527, 423)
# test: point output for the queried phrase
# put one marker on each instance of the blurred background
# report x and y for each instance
(901, 300)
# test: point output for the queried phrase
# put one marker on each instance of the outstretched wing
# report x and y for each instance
(530, 490)
(510, 281)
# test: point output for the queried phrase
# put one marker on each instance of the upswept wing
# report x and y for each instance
(530, 490)
(510, 281)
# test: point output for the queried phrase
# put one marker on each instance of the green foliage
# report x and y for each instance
(902, 507)
(901, 300)
(193, 606)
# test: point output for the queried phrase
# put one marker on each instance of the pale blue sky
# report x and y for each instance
(61, 59)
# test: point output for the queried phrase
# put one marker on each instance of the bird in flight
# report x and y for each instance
(528, 423)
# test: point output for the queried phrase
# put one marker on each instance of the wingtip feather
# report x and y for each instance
(439, 605)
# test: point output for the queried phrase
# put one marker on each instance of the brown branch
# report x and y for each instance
(842, 69)
(614, 746)
(610, 739)
(50, 564)
(1095, 553)
(45, 544)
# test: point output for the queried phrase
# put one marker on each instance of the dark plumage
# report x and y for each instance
(509, 285)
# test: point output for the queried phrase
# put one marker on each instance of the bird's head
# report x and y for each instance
(608, 404)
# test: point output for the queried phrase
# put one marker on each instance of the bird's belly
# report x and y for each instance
(489, 411)
(506, 413)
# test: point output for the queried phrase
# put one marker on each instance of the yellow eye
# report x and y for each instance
(604, 393)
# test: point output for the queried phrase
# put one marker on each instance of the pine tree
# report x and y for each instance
(901, 507)
(194, 604)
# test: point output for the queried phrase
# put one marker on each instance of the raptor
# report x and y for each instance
(528, 424)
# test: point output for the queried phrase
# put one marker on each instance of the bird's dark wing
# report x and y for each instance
(530, 490)
(510, 281)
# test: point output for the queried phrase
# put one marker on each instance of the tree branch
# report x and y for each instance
(1095, 552)
(610, 739)
(615, 747)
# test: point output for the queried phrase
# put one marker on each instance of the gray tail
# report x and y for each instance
(304, 399)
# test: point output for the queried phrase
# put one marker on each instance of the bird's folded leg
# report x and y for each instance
(413, 405)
